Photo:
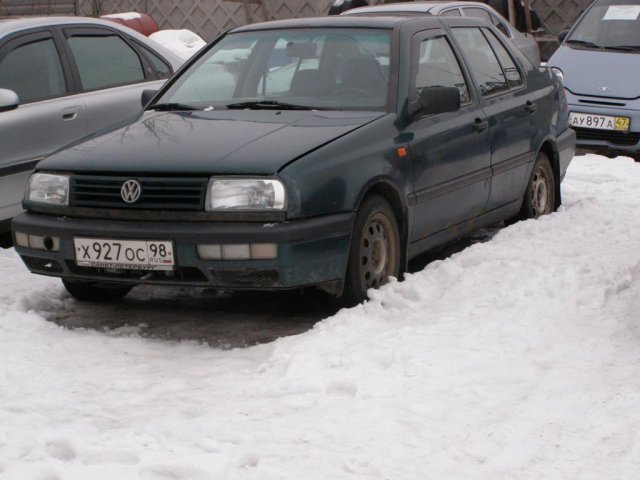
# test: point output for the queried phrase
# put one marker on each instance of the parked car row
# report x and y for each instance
(62, 79)
(305, 153)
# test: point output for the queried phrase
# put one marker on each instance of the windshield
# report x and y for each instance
(332, 69)
(609, 24)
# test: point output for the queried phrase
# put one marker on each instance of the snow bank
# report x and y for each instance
(183, 43)
(513, 359)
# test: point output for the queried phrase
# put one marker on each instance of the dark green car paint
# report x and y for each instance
(461, 171)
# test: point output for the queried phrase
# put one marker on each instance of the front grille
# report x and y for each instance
(42, 264)
(617, 138)
(247, 277)
(157, 193)
(182, 274)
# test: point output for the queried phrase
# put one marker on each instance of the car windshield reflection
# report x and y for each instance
(609, 27)
(324, 69)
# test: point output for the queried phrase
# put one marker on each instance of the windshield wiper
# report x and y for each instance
(172, 107)
(623, 48)
(268, 105)
(584, 43)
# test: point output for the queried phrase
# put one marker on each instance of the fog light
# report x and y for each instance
(264, 251)
(236, 252)
(36, 242)
(21, 239)
(51, 244)
(209, 252)
(239, 251)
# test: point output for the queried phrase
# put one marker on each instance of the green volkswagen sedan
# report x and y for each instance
(304, 153)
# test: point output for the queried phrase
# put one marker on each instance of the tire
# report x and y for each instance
(95, 292)
(540, 195)
(374, 255)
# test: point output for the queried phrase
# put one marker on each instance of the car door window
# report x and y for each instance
(482, 61)
(33, 71)
(160, 67)
(478, 13)
(438, 67)
(499, 24)
(512, 74)
(105, 61)
(454, 12)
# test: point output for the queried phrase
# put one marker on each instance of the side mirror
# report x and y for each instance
(435, 100)
(147, 95)
(562, 35)
(8, 100)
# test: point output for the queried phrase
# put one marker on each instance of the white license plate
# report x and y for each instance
(124, 254)
(599, 122)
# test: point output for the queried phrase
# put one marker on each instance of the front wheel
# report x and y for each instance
(94, 291)
(540, 196)
(374, 255)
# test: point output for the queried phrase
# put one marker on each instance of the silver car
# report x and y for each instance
(60, 80)
(525, 42)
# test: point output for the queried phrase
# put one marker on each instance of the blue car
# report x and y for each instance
(600, 62)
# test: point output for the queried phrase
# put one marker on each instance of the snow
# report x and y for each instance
(183, 43)
(123, 16)
(516, 358)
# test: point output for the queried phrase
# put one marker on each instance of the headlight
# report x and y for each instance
(48, 188)
(245, 194)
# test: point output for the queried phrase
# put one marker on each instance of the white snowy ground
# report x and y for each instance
(518, 358)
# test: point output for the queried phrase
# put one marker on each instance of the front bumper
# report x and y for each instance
(310, 251)
(605, 141)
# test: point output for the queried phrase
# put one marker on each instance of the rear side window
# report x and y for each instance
(438, 67)
(162, 68)
(105, 61)
(451, 13)
(511, 72)
(478, 13)
(33, 71)
(482, 61)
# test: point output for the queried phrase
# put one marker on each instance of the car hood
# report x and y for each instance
(588, 72)
(224, 142)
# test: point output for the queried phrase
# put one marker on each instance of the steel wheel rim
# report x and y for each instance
(540, 193)
(377, 251)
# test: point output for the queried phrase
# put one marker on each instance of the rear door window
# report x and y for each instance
(104, 60)
(482, 61)
(33, 70)
(511, 72)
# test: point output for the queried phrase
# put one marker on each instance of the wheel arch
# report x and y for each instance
(387, 189)
(550, 149)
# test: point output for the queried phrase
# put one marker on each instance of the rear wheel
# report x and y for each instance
(374, 255)
(95, 291)
(540, 196)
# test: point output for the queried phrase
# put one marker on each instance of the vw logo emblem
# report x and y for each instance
(130, 191)
(604, 89)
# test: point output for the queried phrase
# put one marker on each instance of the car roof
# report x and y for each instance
(18, 24)
(432, 7)
(8, 25)
(352, 21)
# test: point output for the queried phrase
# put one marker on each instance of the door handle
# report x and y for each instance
(70, 113)
(530, 107)
(480, 125)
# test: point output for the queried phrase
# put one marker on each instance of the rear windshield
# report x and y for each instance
(609, 24)
(314, 68)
